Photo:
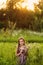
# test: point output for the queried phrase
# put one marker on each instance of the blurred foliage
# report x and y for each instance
(13, 35)
(23, 18)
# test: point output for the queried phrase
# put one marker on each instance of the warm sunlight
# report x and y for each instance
(28, 4)
(2, 4)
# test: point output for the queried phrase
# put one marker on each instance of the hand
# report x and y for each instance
(18, 53)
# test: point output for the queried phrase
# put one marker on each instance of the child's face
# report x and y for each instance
(21, 42)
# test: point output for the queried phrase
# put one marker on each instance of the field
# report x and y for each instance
(8, 46)
(8, 54)
(13, 35)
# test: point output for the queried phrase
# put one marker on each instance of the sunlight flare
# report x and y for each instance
(3, 4)
(28, 4)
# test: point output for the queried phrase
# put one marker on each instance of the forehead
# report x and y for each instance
(21, 40)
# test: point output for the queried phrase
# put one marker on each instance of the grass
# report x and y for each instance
(29, 36)
(8, 54)
(8, 46)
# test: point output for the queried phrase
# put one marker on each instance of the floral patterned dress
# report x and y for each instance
(23, 56)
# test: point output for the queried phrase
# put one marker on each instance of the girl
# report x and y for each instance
(22, 51)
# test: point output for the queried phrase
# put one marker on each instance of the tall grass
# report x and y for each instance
(8, 54)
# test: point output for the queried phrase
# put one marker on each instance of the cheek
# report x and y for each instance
(21, 43)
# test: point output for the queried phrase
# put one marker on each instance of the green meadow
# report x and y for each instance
(8, 54)
(9, 42)
(13, 35)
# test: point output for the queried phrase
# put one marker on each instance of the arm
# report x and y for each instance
(17, 54)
